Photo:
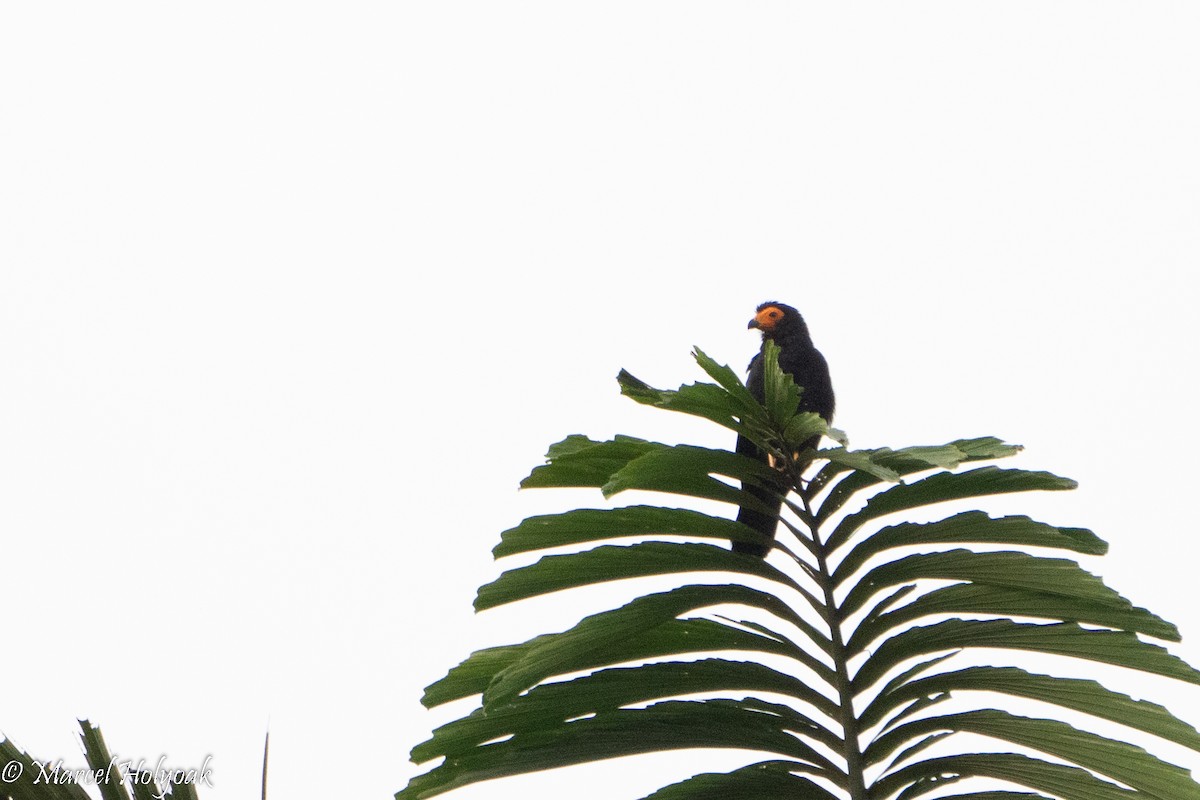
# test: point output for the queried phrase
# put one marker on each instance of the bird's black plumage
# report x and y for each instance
(800, 359)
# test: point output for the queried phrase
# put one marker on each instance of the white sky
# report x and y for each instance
(292, 295)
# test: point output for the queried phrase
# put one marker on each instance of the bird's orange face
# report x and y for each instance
(767, 318)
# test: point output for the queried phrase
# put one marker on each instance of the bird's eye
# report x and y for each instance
(773, 314)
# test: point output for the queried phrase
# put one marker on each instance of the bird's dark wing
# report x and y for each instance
(810, 370)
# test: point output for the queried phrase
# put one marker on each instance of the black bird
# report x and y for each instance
(798, 358)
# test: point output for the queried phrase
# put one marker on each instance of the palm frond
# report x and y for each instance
(843, 672)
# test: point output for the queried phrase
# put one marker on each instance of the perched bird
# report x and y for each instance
(800, 359)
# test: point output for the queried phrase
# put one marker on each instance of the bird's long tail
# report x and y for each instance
(764, 523)
(759, 521)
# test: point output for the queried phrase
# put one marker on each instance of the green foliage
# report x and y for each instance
(26, 778)
(872, 634)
